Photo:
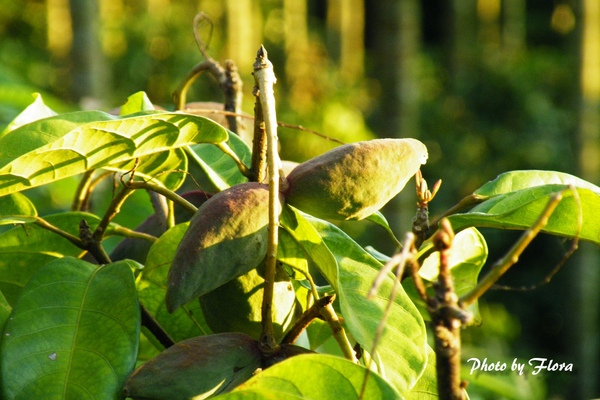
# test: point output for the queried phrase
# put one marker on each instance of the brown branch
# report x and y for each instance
(446, 319)
(306, 318)
(258, 168)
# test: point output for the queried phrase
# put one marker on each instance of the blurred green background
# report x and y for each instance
(488, 85)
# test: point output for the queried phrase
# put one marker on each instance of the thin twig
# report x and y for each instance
(113, 209)
(279, 123)
(512, 256)
(169, 194)
(265, 79)
(565, 257)
(82, 191)
(398, 261)
(228, 77)
(42, 223)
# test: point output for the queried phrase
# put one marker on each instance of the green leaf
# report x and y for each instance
(36, 110)
(73, 333)
(16, 208)
(310, 242)
(40, 132)
(467, 258)
(513, 181)
(351, 271)
(168, 168)
(289, 253)
(26, 248)
(5, 310)
(426, 387)
(185, 322)
(379, 219)
(219, 169)
(313, 376)
(402, 346)
(197, 367)
(135, 103)
(99, 144)
(521, 209)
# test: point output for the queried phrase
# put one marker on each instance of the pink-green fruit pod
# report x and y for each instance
(355, 180)
(227, 237)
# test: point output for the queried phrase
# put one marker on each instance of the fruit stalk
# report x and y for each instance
(265, 79)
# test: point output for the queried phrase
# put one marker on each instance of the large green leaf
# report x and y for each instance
(26, 248)
(135, 103)
(36, 110)
(16, 208)
(40, 132)
(73, 333)
(513, 181)
(521, 209)
(426, 387)
(5, 310)
(313, 376)
(187, 321)
(219, 169)
(197, 367)
(166, 167)
(96, 145)
(351, 271)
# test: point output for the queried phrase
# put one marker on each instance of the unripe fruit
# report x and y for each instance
(227, 237)
(237, 305)
(355, 180)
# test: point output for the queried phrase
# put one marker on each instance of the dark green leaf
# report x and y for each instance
(73, 333)
(185, 322)
(26, 248)
(5, 310)
(197, 367)
(96, 145)
(521, 209)
(314, 376)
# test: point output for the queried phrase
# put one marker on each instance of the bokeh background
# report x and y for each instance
(488, 85)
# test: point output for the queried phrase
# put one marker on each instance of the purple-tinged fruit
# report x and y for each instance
(354, 180)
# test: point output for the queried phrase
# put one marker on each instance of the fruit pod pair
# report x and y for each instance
(227, 238)
(355, 180)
